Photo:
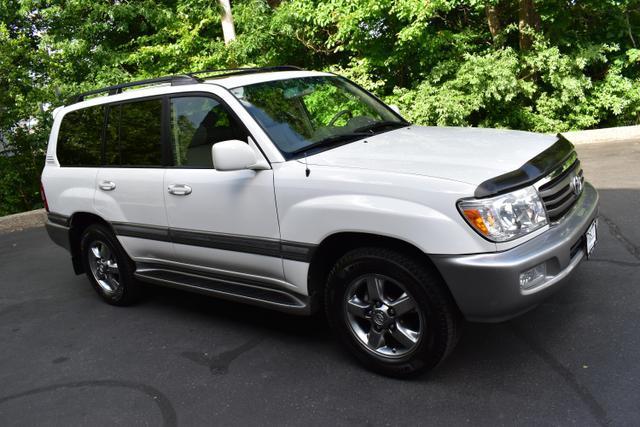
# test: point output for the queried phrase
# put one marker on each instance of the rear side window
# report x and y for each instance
(80, 137)
(112, 155)
(134, 134)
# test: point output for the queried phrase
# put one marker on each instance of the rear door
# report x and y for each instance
(222, 220)
(129, 187)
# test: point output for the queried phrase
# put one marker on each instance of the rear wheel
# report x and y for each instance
(392, 312)
(108, 267)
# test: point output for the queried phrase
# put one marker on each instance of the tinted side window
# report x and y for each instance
(112, 150)
(134, 134)
(80, 137)
(196, 124)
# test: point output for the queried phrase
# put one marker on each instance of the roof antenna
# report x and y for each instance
(307, 172)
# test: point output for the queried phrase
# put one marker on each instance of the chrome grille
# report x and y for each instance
(559, 192)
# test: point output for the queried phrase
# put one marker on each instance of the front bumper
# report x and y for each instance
(486, 287)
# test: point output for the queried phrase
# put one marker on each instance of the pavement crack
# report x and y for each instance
(167, 410)
(585, 395)
(219, 363)
(615, 231)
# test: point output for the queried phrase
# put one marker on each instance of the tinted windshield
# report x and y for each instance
(314, 112)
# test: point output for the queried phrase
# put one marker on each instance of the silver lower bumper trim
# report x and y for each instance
(486, 287)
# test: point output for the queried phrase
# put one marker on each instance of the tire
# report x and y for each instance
(108, 267)
(416, 316)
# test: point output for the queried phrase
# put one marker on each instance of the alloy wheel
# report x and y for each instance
(104, 267)
(383, 316)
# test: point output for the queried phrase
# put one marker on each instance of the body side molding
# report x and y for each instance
(229, 242)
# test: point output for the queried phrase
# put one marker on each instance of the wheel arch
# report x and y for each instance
(334, 246)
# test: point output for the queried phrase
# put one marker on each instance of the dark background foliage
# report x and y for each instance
(545, 66)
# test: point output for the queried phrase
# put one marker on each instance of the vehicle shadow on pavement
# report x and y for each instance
(249, 317)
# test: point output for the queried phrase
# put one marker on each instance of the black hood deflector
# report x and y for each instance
(536, 168)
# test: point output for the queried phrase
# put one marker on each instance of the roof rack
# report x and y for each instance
(174, 80)
(183, 79)
(224, 72)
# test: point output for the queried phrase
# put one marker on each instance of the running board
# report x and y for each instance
(225, 287)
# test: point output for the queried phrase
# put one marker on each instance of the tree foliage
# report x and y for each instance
(545, 66)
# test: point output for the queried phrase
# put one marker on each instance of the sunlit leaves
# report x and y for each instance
(437, 59)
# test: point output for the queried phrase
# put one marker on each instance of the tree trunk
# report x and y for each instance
(228, 29)
(493, 19)
(528, 21)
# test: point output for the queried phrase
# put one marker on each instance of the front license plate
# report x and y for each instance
(592, 236)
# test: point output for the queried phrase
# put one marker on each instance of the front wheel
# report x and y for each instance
(392, 312)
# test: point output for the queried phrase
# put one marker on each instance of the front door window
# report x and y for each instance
(197, 123)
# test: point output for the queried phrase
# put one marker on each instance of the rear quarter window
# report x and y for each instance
(80, 137)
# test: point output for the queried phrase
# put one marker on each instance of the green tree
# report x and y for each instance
(548, 66)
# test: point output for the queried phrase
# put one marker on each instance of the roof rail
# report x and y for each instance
(183, 79)
(224, 72)
(175, 80)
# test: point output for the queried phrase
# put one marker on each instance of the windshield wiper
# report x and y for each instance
(360, 132)
(381, 125)
(335, 139)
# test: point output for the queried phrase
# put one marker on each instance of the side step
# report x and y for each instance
(225, 287)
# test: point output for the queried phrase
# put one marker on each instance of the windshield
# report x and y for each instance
(315, 112)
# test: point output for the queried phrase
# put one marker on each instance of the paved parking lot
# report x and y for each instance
(180, 359)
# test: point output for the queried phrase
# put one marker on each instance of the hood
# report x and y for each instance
(470, 155)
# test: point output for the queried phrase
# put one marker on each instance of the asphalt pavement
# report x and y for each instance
(66, 358)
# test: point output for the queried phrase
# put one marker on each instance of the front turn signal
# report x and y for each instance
(475, 219)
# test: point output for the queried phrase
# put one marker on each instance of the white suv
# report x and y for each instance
(300, 191)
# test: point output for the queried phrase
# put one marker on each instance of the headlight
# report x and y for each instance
(505, 217)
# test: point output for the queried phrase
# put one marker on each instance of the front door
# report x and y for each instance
(224, 221)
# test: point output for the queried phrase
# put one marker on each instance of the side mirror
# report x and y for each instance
(233, 155)
(395, 108)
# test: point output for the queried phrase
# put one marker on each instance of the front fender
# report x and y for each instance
(310, 211)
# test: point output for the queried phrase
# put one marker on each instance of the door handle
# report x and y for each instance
(107, 185)
(179, 189)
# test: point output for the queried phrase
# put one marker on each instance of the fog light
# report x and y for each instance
(533, 277)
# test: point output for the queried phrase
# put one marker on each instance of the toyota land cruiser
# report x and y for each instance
(302, 192)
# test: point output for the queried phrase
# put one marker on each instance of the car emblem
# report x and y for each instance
(577, 182)
(379, 318)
